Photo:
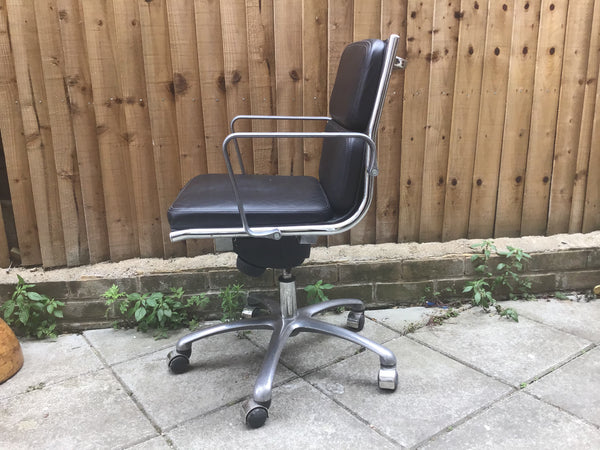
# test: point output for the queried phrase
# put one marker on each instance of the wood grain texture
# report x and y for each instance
(115, 164)
(416, 93)
(15, 154)
(37, 131)
(519, 101)
(80, 98)
(109, 107)
(161, 91)
(570, 109)
(393, 20)
(548, 69)
(465, 119)
(188, 102)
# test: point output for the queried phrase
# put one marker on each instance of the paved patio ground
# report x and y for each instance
(476, 381)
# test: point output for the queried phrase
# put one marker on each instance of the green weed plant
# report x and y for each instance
(31, 313)
(506, 275)
(155, 311)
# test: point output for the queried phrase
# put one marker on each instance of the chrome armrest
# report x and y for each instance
(251, 117)
(371, 164)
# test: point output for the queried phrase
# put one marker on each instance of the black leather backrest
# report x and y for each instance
(341, 170)
(356, 83)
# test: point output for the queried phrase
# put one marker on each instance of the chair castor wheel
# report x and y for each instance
(387, 378)
(179, 362)
(250, 312)
(355, 320)
(255, 415)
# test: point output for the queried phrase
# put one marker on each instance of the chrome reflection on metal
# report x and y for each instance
(388, 378)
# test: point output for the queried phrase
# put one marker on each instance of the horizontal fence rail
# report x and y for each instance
(109, 107)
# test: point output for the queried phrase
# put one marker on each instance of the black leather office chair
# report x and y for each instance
(273, 220)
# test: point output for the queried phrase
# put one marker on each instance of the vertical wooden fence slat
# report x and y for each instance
(439, 115)
(235, 60)
(119, 204)
(212, 81)
(518, 118)
(261, 69)
(393, 20)
(13, 141)
(340, 21)
(188, 102)
(63, 140)
(36, 126)
(130, 66)
(543, 117)
(78, 86)
(577, 41)
(591, 214)
(340, 33)
(288, 81)
(465, 118)
(186, 80)
(367, 25)
(161, 90)
(490, 129)
(314, 90)
(582, 179)
(414, 119)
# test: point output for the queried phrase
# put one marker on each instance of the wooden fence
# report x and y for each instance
(109, 106)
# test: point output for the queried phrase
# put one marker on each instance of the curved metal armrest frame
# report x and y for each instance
(275, 233)
(258, 117)
(391, 62)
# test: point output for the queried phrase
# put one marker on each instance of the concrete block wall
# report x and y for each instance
(386, 275)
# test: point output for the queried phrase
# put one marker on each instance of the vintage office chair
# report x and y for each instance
(273, 220)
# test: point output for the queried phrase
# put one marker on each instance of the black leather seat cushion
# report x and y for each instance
(208, 201)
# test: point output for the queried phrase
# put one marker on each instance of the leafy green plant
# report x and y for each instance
(32, 313)
(506, 274)
(155, 311)
(315, 293)
(232, 302)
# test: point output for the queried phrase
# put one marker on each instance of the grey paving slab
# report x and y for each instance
(117, 346)
(514, 352)
(520, 422)
(404, 320)
(434, 391)
(47, 362)
(308, 351)
(89, 411)
(578, 318)
(223, 369)
(574, 387)
(300, 417)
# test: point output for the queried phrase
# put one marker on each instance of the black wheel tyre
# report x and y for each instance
(257, 417)
(179, 363)
(361, 322)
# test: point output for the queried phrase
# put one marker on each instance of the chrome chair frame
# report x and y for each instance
(391, 61)
(285, 319)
